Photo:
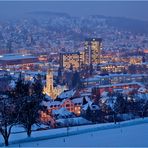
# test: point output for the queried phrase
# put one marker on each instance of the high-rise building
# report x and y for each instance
(82, 57)
(92, 49)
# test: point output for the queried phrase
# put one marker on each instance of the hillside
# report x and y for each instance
(109, 134)
(127, 24)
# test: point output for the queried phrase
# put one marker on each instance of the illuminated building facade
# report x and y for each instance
(49, 89)
(136, 60)
(73, 106)
(115, 79)
(123, 86)
(82, 57)
(113, 67)
(93, 48)
(69, 59)
(49, 84)
(43, 58)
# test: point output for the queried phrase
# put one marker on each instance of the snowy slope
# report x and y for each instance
(136, 129)
(132, 136)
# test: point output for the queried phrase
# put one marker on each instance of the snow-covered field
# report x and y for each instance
(133, 136)
(129, 133)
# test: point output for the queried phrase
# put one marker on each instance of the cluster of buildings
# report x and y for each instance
(69, 104)
(48, 34)
(117, 78)
(107, 69)
(90, 55)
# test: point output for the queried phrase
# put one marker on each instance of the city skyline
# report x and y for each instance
(73, 73)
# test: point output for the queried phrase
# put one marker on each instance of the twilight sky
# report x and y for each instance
(131, 9)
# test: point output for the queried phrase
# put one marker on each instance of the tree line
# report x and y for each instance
(20, 105)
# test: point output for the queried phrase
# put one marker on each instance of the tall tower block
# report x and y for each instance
(92, 49)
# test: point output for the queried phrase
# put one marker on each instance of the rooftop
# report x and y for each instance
(69, 53)
(109, 76)
(16, 56)
(94, 39)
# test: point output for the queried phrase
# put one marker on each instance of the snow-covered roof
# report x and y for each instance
(55, 103)
(12, 84)
(62, 112)
(142, 89)
(77, 100)
(4, 96)
(95, 107)
(43, 103)
(6, 57)
(91, 105)
(104, 94)
(48, 97)
(104, 99)
(49, 104)
(98, 77)
(88, 99)
(86, 94)
(126, 91)
(109, 101)
(85, 106)
(120, 84)
(141, 96)
(67, 94)
(73, 121)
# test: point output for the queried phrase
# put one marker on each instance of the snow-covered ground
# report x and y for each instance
(128, 133)
(133, 136)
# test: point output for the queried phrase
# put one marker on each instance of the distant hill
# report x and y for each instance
(127, 24)
(133, 25)
(48, 13)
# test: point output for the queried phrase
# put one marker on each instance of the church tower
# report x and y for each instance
(49, 81)
(49, 89)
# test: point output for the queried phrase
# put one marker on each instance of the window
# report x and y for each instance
(67, 105)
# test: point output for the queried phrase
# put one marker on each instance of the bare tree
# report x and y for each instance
(8, 117)
(29, 115)
(32, 99)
